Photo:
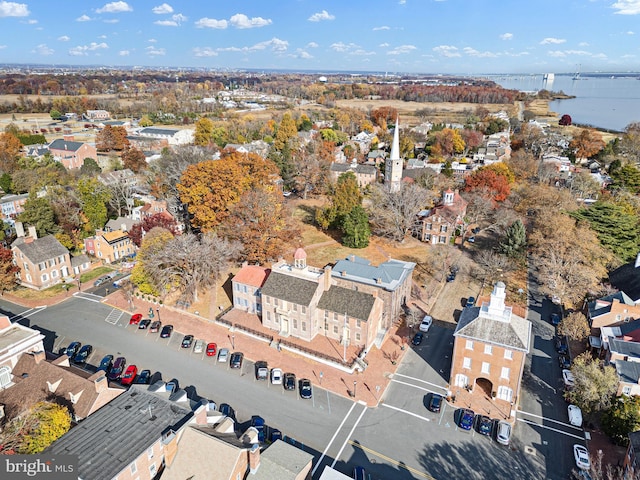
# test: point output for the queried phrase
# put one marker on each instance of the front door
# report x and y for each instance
(284, 330)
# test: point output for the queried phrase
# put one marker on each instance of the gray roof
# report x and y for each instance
(628, 372)
(158, 131)
(627, 279)
(624, 347)
(40, 249)
(289, 288)
(62, 144)
(388, 275)
(281, 461)
(358, 168)
(119, 222)
(345, 300)
(602, 306)
(114, 436)
(514, 334)
(80, 260)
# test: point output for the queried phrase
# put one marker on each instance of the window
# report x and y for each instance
(54, 273)
(266, 300)
(244, 289)
(508, 354)
(44, 277)
(237, 287)
(335, 315)
(461, 380)
(5, 376)
(276, 302)
(358, 324)
(443, 228)
(505, 393)
(466, 362)
(150, 453)
(357, 336)
(304, 326)
(303, 309)
(152, 470)
(486, 368)
(427, 237)
(488, 349)
(268, 315)
(505, 372)
(295, 307)
(429, 226)
(443, 239)
(469, 345)
(626, 390)
(134, 468)
(335, 329)
(295, 323)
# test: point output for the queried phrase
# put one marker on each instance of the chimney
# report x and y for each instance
(68, 138)
(99, 380)
(343, 273)
(245, 263)
(19, 229)
(254, 458)
(39, 356)
(4, 322)
(327, 277)
(33, 233)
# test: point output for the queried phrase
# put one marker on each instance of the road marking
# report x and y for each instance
(550, 428)
(348, 437)
(414, 386)
(392, 461)
(27, 313)
(87, 296)
(550, 420)
(332, 438)
(444, 407)
(114, 316)
(418, 380)
(407, 412)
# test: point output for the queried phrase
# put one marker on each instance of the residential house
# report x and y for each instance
(43, 262)
(365, 174)
(283, 462)
(613, 309)
(121, 223)
(118, 177)
(439, 224)
(629, 331)
(38, 379)
(12, 206)
(489, 351)
(15, 340)
(132, 437)
(627, 279)
(109, 246)
(631, 463)
(376, 157)
(80, 264)
(71, 153)
(246, 285)
(628, 377)
(156, 138)
(97, 115)
(150, 208)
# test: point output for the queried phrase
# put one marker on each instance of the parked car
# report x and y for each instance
(129, 375)
(567, 378)
(100, 281)
(262, 370)
(211, 349)
(554, 318)
(581, 455)
(306, 390)
(257, 422)
(562, 347)
(471, 301)
(135, 319)
(289, 381)
(226, 410)
(564, 362)
(83, 354)
(236, 360)
(435, 402)
(417, 338)
(276, 376)
(465, 421)
(223, 355)
(198, 346)
(575, 415)
(187, 341)
(144, 377)
(155, 326)
(166, 331)
(359, 473)
(106, 363)
(484, 425)
(451, 277)
(118, 367)
(144, 324)
(503, 432)
(72, 349)
(425, 325)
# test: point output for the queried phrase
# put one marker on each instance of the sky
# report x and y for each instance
(394, 36)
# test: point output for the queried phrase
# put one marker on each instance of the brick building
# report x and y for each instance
(109, 246)
(439, 224)
(246, 285)
(71, 153)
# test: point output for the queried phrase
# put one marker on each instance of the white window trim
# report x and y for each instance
(486, 368)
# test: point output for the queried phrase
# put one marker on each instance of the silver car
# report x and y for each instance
(198, 347)
(223, 355)
(503, 432)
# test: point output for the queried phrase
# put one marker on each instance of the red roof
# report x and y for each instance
(300, 254)
(253, 275)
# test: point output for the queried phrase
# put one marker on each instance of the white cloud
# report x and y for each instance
(447, 51)
(384, 27)
(631, 32)
(402, 2)
(211, 23)
(312, 45)
(383, 45)
(64, 38)
(627, 7)
(13, 9)
(240, 20)
(402, 49)
(472, 52)
(275, 44)
(2, 47)
(551, 40)
(83, 50)
(506, 36)
(162, 9)
(343, 47)
(102, 36)
(152, 40)
(583, 44)
(176, 21)
(155, 52)
(115, 7)
(124, 53)
(323, 15)
(83, 18)
(300, 53)
(42, 49)
(204, 52)
(362, 53)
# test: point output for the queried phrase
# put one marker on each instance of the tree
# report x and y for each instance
(565, 120)
(626, 177)
(530, 138)
(493, 265)
(133, 159)
(355, 228)
(94, 197)
(121, 193)
(35, 430)
(447, 142)
(344, 197)
(595, 386)
(167, 171)
(489, 181)
(111, 138)
(55, 114)
(286, 133)
(90, 168)
(8, 270)
(153, 242)
(622, 418)
(39, 213)
(515, 240)
(523, 164)
(587, 143)
(160, 219)
(575, 326)
(204, 132)
(9, 151)
(472, 139)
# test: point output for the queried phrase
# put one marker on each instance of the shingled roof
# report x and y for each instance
(289, 288)
(40, 249)
(627, 279)
(345, 300)
(281, 461)
(62, 144)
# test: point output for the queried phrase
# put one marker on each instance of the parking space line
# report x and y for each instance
(414, 386)
(550, 420)
(418, 380)
(391, 460)
(349, 436)
(550, 428)
(407, 412)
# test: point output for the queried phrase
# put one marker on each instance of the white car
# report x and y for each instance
(575, 415)
(581, 455)
(276, 376)
(426, 323)
(198, 346)
(568, 379)
(503, 432)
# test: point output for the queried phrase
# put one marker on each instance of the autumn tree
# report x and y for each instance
(39, 213)
(67, 210)
(447, 142)
(286, 133)
(472, 139)
(160, 219)
(630, 143)
(575, 326)
(133, 159)
(523, 164)
(203, 132)
(383, 116)
(530, 138)
(94, 197)
(595, 385)
(622, 418)
(587, 143)
(120, 197)
(36, 429)
(345, 196)
(583, 185)
(493, 265)
(111, 138)
(9, 151)
(152, 243)
(165, 173)
(488, 180)
(311, 168)
(565, 120)
(8, 270)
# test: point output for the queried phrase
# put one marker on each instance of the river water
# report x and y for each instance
(604, 101)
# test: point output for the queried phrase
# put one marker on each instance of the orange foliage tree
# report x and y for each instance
(587, 143)
(495, 185)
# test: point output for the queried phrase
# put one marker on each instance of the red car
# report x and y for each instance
(129, 375)
(135, 319)
(211, 349)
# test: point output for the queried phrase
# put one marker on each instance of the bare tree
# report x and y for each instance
(575, 326)
(493, 264)
(440, 259)
(121, 195)
(583, 185)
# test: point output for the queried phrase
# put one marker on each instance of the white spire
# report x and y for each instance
(395, 146)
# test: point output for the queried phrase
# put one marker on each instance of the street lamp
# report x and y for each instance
(158, 311)
(321, 375)
(233, 343)
(354, 387)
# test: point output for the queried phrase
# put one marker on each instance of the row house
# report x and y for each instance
(247, 285)
(109, 246)
(611, 310)
(439, 224)
(12, 206)
(365, 174)
(71, 153)
(17, 340)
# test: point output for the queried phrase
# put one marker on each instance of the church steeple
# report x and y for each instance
(395, 146)
(393, 165)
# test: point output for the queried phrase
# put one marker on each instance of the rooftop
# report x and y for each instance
(253, 275)
(388, 275)
(40, 249)
(281, 461)
(289, 288)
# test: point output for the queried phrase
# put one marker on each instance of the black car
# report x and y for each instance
(226, 410)
(187, 341)
(144, 323)
(435, 403)
(83, 354)
(305, 388)
(106, 363)
(166, 331)
(554, 319)
(72, 349)
(484, 425)
(289, 381)
(144, 377)
(417, 339)
(564, 362)
(561, 346)
(236, 360)
(118, 369)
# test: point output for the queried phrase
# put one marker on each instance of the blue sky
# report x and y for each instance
(413, 36)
